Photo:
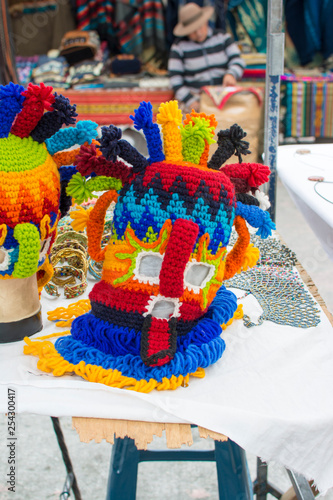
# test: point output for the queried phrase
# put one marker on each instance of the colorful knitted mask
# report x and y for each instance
(156, 313)
(30, 182)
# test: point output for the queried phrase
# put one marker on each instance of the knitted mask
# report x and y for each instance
(156, 313)
(30, 182)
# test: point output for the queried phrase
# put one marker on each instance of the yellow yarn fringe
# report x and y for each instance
(57, 334)
(170, 117)
(238, 314)
(80, 218)
(251, 257)
(50, 361)
(69, 313)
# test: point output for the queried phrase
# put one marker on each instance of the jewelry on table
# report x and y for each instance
(75, 255)
(71, 288)
(95, 268)
(281, 295)
(272, 251)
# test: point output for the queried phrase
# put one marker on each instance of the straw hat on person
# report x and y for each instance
(191, 18)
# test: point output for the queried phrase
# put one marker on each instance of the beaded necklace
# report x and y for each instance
(272, 251)
(281, 294)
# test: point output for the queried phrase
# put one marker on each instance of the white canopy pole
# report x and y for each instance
(274, 69)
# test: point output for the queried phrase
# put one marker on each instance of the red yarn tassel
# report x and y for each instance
(37, 98)
(255, 174)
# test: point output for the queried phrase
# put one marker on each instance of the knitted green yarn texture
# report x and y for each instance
(19, 155)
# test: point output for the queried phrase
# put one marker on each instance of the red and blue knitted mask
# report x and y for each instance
(157, 312)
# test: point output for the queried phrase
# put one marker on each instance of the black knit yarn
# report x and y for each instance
(112, 146)
(230, 141)
(247, 199)
(63, 114)
(109, 144)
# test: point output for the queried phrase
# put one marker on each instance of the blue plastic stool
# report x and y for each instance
(233, 477)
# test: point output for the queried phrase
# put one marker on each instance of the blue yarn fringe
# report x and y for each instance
(100, 343)
(256, 217)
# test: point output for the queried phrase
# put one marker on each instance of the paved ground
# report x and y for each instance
(41, 472)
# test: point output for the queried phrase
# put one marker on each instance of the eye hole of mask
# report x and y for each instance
(150, 265)
(196, 274)
(2, 256)
(163, 309)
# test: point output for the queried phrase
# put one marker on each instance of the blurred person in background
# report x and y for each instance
(201, 56)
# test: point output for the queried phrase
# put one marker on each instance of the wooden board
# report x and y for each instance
(142, 432)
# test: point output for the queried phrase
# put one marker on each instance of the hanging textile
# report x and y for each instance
(136, 24)
(309, 107)
(309, 24)
(252, 14)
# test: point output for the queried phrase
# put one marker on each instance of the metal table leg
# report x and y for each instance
(301, 486)
(71, 482)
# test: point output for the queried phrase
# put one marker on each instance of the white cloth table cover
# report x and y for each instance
(294, 170)
(271, 392)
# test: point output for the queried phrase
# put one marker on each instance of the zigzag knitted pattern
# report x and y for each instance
(169, 191)
(157, 312)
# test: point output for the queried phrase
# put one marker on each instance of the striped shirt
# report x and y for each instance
(193, 65)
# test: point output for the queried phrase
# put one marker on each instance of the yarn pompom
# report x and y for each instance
(256, 218)
(86, 131)
(65, 110)
(78, 188)
(200, 129)
(263, 199)
(265, 229)
(194, 135)
(63, 114)
(12, 90)
(143, 119)
(213, 124)
(109, 142)
(87, 160)
(170, 117)
(169, 112)
(11, 100)
(255, 174)
(250, 258)
(37, 98)
(80, 218)
(230, 141)
(143, 116)
(39, 94)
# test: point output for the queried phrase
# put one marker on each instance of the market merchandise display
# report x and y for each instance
(33, 177)
(272, 251)
(281, 294)
(157, 312)
(70, 260)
